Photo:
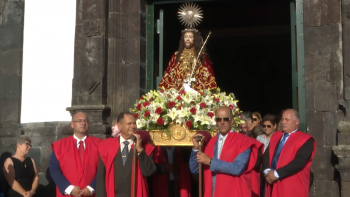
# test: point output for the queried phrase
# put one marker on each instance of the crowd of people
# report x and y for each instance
(256, 161)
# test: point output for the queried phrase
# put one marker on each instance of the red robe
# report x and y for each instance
(68, 156)
(251, 175)
(108, 154)
(174, 75)
(299, 183)
(160, 181)
(225, 184)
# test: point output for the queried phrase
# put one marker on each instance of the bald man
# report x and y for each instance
(287, 160)
(226, 159)
(74, 160)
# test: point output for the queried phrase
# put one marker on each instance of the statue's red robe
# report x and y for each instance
(174, 76)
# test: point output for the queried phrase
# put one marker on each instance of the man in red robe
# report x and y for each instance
(180, 68)
(226, 157)
(74, 161)
(172, 165)
(287, 160)
(115, 171)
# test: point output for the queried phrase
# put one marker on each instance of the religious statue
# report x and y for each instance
(190, 64)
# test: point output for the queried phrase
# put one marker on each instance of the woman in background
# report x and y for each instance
(269, 125)
(20, 171)
(255, 121)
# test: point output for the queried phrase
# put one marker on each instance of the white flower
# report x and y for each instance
(196, 117)
(140, 123)
(172, 113)
(227, 103)
(206, 120)
(184, 112)
(180, 121)
(187, 98)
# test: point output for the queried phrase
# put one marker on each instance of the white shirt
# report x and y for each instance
(221, 142)
(78, 141)
(70, 188)
(275, 172)
(122, 145)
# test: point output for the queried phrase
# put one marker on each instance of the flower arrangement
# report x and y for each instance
(158, 108)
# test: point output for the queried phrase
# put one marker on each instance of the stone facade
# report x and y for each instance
(11, 47)
(110, 74)
(323, 43)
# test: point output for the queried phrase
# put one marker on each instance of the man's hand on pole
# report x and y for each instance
(195, 142)
(138, 143)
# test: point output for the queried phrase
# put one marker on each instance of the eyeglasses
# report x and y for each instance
(255, 119)
(220, 119)
(268, 126)
(81, 121)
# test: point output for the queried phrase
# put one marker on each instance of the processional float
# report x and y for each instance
(173, 116)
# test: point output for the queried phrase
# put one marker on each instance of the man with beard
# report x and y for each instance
(181, 64)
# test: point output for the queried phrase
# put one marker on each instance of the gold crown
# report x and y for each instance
(190, 30)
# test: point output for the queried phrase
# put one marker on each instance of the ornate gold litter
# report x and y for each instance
(180, 135)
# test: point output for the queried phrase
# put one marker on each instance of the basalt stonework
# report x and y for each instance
(110, 74)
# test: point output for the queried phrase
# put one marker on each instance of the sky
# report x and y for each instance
(48, 59)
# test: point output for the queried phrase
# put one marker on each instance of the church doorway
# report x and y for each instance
(250, 49)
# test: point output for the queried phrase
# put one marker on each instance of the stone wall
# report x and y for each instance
(109, 75)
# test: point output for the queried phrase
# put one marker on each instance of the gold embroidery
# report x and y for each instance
(177, 73)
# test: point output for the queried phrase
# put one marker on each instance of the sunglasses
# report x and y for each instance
(255, 119)
(268, 126)
(220, 119)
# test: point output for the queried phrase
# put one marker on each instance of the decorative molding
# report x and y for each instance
(78, 108)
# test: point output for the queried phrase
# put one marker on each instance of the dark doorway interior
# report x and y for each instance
(250, 49)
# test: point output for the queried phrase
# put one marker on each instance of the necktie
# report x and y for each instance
(277, 155)
(81, 151)
(125, 151)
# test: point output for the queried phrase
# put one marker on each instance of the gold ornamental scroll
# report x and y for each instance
(180, 135)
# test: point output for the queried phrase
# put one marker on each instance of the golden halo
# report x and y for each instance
(190, 14)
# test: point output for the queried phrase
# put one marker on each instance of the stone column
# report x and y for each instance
(324, 81)
(90, 73)
(126, 54)
(11, 52)
(342, 150)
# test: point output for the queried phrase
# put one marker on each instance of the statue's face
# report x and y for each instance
(188, 40)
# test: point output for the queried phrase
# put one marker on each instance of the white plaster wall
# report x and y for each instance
(48, 54)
